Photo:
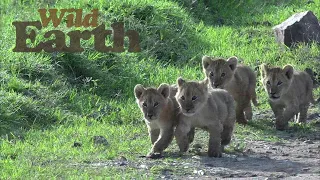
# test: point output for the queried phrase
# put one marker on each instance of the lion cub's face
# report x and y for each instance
(219, 71)
(151, 101)
(276, 80)
(191, 95)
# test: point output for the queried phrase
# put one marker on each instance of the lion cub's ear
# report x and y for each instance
(288, 71)
(264, 69)
(206, 61)
(164, 90)
(232, 62)
(180, 81)
(138, 90)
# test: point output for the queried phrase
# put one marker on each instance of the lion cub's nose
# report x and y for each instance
(150, 115)
(216, 85)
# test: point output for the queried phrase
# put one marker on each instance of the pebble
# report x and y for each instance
(240, 159)
(308, 142)
(77, 144)
(100, 140)
(200, 172)
(196, 157)
(143, 166)
(305, 169)
(123, 163)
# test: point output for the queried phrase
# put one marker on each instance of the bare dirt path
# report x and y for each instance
(296, 156)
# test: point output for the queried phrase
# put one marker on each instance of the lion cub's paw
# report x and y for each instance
(215, 153)
(154, 155)
(282, 126)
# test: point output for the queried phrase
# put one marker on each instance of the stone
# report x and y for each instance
(240, 159)
(196, 157)
(77, 144)
(100, 140)
(300, 27)
(309, 142)
(143, 166)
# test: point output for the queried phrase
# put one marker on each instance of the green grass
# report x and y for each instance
(50, 100)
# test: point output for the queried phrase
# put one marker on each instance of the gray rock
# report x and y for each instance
(143, 166)
(199, 172)
(100, 140)
(306, 169)
(309, 142)
(122, 161)
(300, 27)
(77, 144)
(240, 159)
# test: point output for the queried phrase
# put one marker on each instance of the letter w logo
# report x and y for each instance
(53, 16)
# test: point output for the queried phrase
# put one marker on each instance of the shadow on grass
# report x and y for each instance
(234, 13)
(309, 130)
(101, 80)
(108, 75)
(17, 113)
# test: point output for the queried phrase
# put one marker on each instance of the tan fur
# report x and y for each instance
(206, 108)
(160, 114)
(173, 92)
(239, 80)
(289, 92)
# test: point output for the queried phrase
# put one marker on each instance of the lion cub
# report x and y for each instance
(206, 108)
(238, 80)
(289, 91)
(160, 115)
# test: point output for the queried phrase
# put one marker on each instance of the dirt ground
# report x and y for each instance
(296, 157)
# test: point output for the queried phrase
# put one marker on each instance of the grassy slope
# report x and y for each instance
(48, 101)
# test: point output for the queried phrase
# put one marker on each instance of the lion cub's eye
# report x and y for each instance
(182, 98)
(156, 104)
(223, 74)
(211, 74)
(144, 104)
(268, 82)
(279, 83)
(194, 98)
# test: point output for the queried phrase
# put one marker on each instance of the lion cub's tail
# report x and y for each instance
(313, 77)
(315, 84)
